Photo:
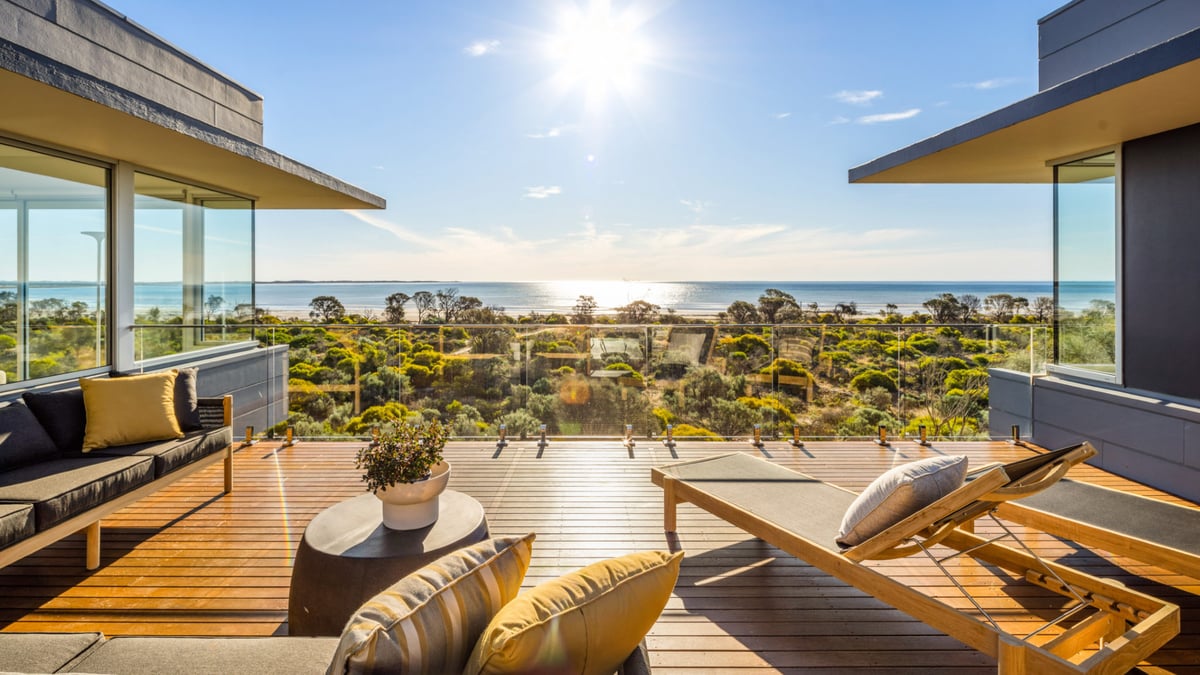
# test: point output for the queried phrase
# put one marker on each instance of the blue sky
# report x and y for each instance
(720, 150)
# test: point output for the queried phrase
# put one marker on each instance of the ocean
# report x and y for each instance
(688, 298)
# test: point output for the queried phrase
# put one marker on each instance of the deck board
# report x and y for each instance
(190, 561)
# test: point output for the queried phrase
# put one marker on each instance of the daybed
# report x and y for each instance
(804, 517)
(50, 487)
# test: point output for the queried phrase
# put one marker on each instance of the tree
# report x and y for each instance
(1043, 309)
(638, 311)
(1002, 307)
(585, 310)
(394, 311)
(214, 305)
(844, 309)
(772, 303)
(425, 301)
(447, 302)
(326, 309)
(742, 312)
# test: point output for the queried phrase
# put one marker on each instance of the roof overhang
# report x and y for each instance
(1146, 93)
(50, 103)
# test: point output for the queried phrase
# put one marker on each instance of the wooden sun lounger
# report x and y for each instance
(1144, 529)
(801, 515)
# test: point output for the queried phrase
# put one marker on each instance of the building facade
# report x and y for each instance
(130, 175)
(1115, 129)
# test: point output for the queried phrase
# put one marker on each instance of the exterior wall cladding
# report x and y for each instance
(1150, 429)
(1086, 34)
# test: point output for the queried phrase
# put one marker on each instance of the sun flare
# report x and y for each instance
(599, 51)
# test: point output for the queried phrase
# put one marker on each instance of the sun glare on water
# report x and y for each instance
(599, 51)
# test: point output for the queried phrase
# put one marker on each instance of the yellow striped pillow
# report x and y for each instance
(429, 621)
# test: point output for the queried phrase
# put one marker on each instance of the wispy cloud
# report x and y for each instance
(889, 117)
(994, 83)
(857, 96)
(481, 47)
(399, 231)
(695, 205)
(782, 115)
(553, 132)
(840, 119)
(542, 191)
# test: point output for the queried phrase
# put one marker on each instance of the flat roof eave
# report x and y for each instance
(61, 107)
(1143, 94)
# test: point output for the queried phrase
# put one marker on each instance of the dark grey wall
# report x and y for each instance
(1161, 251)
(1010, 403)
(1154, 441)
(1086, 34)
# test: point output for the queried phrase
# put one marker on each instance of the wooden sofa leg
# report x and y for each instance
(93, 545)
(229, 469)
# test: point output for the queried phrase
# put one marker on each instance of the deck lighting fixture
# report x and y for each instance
(1016, 435)
(249, 439)
(923, 438)
(882, 438)
(502, 441)
(669, 441)
(542, 442)
(289, 437)
(629, 442)
(796, 442)
(757, 442)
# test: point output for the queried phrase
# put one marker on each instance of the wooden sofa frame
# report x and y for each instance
(1126, 627)
(89, 521)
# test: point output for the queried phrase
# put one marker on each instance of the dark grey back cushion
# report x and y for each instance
(62, 415)
(187, 404)
(22, 440)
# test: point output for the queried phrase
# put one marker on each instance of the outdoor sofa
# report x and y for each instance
(51, 488)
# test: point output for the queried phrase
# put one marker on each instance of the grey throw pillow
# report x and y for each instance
(899, 493)
(62, 415)
(22, 440)
(187, 405)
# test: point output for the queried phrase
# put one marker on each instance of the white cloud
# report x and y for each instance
(840, 119)
(398, 231)
(482, 47)
(858, 96)
(554, 132)
(994, 83)
(542, 191)
(695, 205)
(889, 117)
(782, 115)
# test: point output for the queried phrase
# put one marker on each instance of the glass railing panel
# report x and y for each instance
(817, 381)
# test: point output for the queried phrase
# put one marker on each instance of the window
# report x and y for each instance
(193, 266)
(1085, 267)
(53, 277)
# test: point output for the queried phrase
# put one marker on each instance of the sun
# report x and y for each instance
(599, 51)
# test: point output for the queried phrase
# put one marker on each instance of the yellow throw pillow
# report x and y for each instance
(585, 622)
(428, 621)
(126, 410)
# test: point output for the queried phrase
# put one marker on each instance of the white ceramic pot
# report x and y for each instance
(411, 506)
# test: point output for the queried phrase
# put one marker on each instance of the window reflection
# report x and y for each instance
(193, 253)
(1085, 194)
(53, 281)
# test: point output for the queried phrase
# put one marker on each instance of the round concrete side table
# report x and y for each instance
(347, 556)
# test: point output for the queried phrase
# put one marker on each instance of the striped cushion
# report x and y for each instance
(429, 621)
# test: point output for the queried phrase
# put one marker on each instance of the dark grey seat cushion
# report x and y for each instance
(172, 454)
(16, 523)
(22, 440)
(41, 652)
(62, 415)
(202, 656)
(62, 488)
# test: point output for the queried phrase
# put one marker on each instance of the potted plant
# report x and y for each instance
(404, 468)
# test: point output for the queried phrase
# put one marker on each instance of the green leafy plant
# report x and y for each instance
(405, 454)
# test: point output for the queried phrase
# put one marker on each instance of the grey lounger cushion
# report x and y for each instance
(41, 652)
(63, 488)
(209, 656)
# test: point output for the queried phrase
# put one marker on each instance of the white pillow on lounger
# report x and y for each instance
(899, 493)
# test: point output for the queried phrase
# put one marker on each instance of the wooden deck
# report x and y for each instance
(190, 561)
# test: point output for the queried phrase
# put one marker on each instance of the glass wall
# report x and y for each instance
(1085, 284)
(53, 277)
(193, 266)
